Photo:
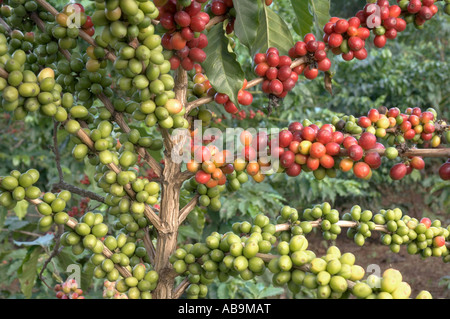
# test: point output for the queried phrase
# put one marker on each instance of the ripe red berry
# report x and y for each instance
(426, 221)
(273, 59)
(284, 61)
(317, 150)
(285, 137)
(261, 69)
(355, 43)
(218, 8)
(308, 133)
(295, 126)
(197, 55)
(272, 73)
(284, 73)
(230, 107)
(221, 98)
(333, 148)
(438, 241)
(309, 37)
(324, 65)
(300, 48)
(417, 163)
(202, 177)
(341, 26)
(444, 171)
(294, 170)
(373, 159)
(414, 6)
(323, 136)
(182, 18)
(335, 40)
(259, 58)
(276, 87)
(355, 152)
(398, 171)
(309, 73)
(367, 140)
(312, 46)
(287, 159)
(361, 170)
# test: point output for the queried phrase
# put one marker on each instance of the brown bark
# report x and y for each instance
(170, 206)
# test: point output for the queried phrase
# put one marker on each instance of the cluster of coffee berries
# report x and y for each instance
(413, 125)
(389, 286)
(244, 97)
(208, 196)
(110, 292)
(346, 37)
(276, 70)
(315, 53)
(86, 234)
(184, 26)
(422, 237)
(73, 17)
(23, 91)
(68, 290)
(80, 82)
(199, 86)
(317, 149)
(17, 186)
(139, 285)
(245, 252)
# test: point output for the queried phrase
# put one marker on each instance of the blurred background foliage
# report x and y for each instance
(411, 71)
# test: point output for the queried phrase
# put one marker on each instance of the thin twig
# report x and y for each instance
(184, 212)
(178, 291)
(55, 252)
(79, 191)
(62, 184)
(151, 251)
(22, 232)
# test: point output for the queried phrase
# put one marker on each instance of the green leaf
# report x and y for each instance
(247, 21)
(272, 32)
(321, 11)
(270, 292)
(40, 241)
(27, 272)
(21, 209)
(221, 67)
(14, 223)
(305, 19)
(87, 276)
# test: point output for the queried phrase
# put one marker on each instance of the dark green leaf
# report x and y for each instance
(305, 19)
(27, 273)
(321, 11)
(272, 32)
(221, 66)
(247, 21)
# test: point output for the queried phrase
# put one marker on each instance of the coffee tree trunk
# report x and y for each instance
(170, 206)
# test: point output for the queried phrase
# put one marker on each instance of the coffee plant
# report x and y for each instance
(138, 90)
